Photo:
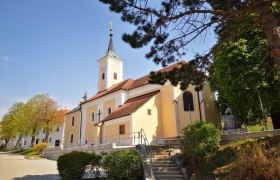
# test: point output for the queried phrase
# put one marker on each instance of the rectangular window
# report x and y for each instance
(50, 140)
(122, 129)
(57, 142)
(57, 129)
(149, 111)
(37, 141)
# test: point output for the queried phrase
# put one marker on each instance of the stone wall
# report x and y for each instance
(240, 136)
(54, 152)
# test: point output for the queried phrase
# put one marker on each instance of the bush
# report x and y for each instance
(200, 140)
(255, 162)
(123, 165)
(39, 147)
(73, 165)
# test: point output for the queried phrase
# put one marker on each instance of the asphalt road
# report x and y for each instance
(16, 167)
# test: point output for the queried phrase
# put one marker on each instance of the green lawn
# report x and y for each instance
(261, 127)
(28, 153)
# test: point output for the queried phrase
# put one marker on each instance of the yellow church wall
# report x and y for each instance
(69, 129)
(152, 124)
(168, 112)
(112, 133)
(187, 117)
(109, 103)
(210, 110)
(91, 130)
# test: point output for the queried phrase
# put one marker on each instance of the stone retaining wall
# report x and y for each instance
(55, 152)
(240, 136)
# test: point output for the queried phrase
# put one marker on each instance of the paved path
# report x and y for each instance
(16, 167)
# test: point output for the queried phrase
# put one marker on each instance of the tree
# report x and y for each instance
(44, 114)
(241, 72)
(8, 129)
(20, 116)
(171, 25)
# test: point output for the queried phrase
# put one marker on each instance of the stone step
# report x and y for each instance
(161, 156)
(164, 162)
(169, 176)
(164, 165)
(167, 172)
(165, 169)
(162, 152)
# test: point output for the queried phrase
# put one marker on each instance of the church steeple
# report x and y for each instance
(110, 67)
(111, 49)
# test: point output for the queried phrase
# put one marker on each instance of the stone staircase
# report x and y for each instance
(164, 167)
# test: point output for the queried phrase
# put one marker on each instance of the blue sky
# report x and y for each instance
(52, 46)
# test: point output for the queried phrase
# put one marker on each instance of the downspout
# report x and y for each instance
(176, 112)
(81, 124)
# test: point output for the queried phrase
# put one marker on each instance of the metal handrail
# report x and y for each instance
(147, 146)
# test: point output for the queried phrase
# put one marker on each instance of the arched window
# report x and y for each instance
(188, 101)
(109, 111)
(115, 76)
(103, 76)
(73, 121)
(71, 138)
(92, 116)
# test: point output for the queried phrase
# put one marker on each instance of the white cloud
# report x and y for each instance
(6, 58)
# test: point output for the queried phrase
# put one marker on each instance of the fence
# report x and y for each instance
(128, 139)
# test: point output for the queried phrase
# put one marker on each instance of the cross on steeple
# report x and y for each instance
(111, 28)
(99, 115)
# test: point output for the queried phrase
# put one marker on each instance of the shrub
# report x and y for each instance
(73, 165)
(254, 162)
(39, 147)
(200, 140)
(123, 165)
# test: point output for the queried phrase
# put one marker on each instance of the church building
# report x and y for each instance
(122, 109)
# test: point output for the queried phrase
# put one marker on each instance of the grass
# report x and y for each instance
(261, 127)
(220, 164)
(28, 153)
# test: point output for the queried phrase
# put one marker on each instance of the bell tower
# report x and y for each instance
(110, 67)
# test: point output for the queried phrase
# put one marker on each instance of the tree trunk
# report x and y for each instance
(18, 142)
(47, 135)
(6, 142)
(268, 23)
(33, 137)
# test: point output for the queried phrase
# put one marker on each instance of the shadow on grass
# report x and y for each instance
(41, 177)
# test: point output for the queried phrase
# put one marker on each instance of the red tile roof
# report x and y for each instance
(130, 106)
(131, 84)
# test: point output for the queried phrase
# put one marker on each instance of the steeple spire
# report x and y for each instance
(111, 49)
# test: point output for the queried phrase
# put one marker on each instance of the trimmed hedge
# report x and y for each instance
(123, 165)
(73, 165)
